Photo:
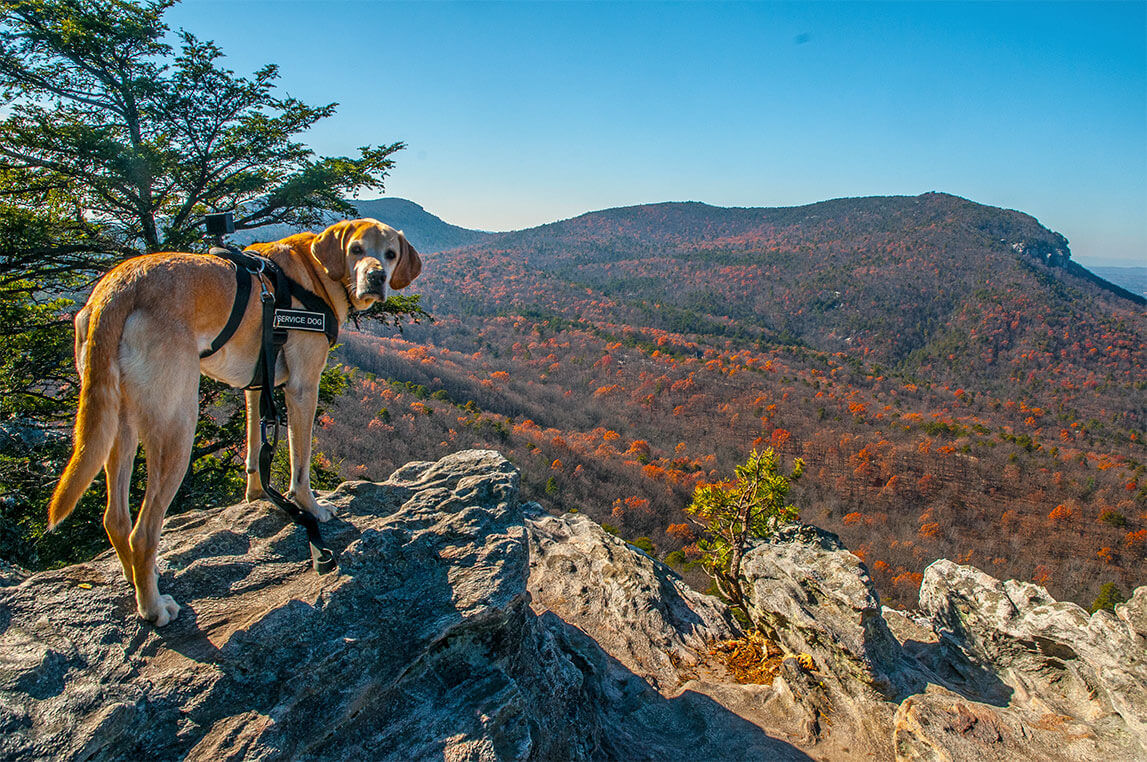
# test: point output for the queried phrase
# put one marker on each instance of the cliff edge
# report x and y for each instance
(463, 624)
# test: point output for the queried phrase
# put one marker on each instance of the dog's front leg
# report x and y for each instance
(254, 484)
(302, 400)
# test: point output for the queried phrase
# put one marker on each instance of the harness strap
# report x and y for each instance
(273, 339)
(238, 310)
(322, 557)
(246, 265)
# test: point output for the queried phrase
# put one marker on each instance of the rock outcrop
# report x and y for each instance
(422, 645)
(987, 670)
(641, 613)
(1065, 684)
(462, 624)
(814, 596)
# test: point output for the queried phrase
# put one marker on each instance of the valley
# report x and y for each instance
(954, 385)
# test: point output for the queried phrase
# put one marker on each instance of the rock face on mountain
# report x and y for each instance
(645, 617)
(462, 624)
(807, 590)
(987, 670)
(1085, 676)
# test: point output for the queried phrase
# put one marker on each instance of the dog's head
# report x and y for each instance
(369, 258)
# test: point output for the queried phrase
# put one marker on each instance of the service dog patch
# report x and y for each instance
(300, 320)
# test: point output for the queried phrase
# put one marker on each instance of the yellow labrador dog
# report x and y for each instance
(138, 345)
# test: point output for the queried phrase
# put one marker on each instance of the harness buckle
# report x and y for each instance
(264, 425)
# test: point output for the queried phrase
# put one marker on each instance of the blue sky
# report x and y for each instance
(518, 113)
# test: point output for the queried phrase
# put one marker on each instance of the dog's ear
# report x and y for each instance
(329, 248)
(409, 264)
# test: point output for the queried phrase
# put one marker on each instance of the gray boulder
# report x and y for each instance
(636, 608)
(987, 670)
(940, 725)
(1084, 674)
(814, 596)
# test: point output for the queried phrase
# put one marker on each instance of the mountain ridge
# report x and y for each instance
(427, 232)
(734, 222)
(432, 234)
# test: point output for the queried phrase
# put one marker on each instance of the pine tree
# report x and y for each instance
(731, 513)
(113, 143)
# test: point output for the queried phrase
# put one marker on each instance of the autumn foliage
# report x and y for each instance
(948, 392)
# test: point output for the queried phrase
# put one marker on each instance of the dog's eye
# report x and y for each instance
(356, 248)
(390, 254)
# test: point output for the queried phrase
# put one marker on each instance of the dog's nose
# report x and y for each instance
(376, 280)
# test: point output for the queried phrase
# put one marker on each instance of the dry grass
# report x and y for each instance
(752, 659)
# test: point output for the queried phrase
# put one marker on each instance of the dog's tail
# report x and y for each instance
(99, 328)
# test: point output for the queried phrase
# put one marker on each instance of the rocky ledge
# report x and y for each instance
(464, 625)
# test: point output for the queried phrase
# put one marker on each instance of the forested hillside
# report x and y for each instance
(956, 385)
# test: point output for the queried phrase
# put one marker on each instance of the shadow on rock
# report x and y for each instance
(637, 722)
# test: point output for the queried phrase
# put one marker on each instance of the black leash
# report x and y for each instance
(270, 417)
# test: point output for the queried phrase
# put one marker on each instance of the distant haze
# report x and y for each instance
(1131, 278)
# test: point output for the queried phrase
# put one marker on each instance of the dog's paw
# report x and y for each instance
(166, 610)
(321, 510)
(256, 493)
(324, 510)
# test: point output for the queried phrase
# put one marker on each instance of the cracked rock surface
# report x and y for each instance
(462, 624)
(422, 645)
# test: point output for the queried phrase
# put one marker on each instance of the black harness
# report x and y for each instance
(278, 317)
(248, 266)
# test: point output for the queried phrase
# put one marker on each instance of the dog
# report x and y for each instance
(138, 345)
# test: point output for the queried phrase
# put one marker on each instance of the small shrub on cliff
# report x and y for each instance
(645, 544)
(1113, 518)
(1109, 595)
(730, 513)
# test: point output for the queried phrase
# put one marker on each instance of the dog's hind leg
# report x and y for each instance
(168, 450)
(117, 516)
(164, 382)
(254, 484)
